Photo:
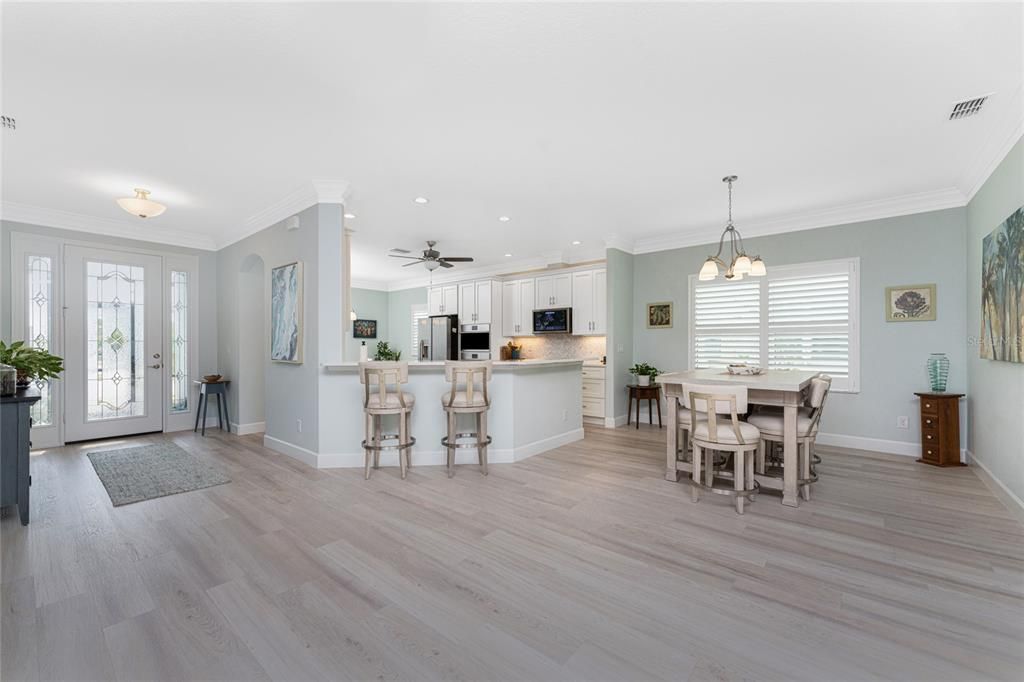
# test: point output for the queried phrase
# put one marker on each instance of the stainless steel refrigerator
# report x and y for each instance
(439, 338)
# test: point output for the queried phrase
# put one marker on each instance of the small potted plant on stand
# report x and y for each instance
(31, 363)
(644, 373)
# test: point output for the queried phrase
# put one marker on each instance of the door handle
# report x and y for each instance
(156, 366)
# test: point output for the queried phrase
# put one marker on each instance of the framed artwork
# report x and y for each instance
(910, 303)
(286, 313)
(659, 315)
(1002, 291)
(364, 329)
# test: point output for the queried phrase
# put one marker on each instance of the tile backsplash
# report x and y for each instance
(561, 347)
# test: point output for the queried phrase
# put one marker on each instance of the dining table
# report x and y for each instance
(783, 388)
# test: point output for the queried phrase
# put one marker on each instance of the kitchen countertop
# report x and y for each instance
(498, 364)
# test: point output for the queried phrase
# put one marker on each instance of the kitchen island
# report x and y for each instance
(535, 406)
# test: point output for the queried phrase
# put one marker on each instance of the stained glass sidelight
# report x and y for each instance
(179, 341)
(39, 276)
(116, 353)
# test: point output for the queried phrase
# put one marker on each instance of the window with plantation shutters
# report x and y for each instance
(802, 317)
(726, 323)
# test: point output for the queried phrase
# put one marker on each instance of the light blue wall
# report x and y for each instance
(370, 305)
(291, 389)
(620, 349)
(996, 389)
(400, 318)
(915, 249)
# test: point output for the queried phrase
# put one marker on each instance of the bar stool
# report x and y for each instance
(383, 396)
(707, 434)
(465, 397)
(771, 425)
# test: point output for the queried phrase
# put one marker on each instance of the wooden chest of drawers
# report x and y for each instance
(940, 429)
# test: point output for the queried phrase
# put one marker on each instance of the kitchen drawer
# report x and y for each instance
(593, 407)
(592, 388)
(593, 372)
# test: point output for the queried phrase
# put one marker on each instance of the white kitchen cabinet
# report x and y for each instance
(475, 302)
(589, 301)
(517, 297)
(443, 300)
(554, 291)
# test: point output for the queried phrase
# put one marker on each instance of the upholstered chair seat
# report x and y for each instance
(726, 433)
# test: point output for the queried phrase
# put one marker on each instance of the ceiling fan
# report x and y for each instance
(431, 259)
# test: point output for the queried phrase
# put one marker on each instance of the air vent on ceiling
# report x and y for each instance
(968, 107)
(8, 122)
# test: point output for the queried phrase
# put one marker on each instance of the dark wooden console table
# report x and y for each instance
(15, 478)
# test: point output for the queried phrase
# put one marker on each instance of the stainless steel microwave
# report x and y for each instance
(552, 321)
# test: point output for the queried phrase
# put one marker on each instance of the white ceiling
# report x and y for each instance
(579, 121)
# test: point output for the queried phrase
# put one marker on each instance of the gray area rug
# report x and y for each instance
(142, 473)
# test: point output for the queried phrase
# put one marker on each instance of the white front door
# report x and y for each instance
(113, 336)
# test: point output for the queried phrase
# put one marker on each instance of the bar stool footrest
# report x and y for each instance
(475, 444)
(731, 492)
(387, 437)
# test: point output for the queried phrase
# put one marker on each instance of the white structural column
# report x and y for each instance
(346, 291)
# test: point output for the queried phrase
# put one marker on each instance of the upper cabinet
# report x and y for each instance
(589, 303)
(475, 302)
(554, 291)
(443, 300)
(517, 298)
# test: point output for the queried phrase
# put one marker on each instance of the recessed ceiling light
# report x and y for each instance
(350, 216)
(577, 242)
(504, 218)
(421, 200)
(508, 255)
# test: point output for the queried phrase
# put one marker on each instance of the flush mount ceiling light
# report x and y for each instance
(508, 255)
(740, 263)
(421, 200)
(141, 205)
(577, 242)
(350, 216)
(504, 218)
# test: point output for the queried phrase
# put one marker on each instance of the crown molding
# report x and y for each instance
(907, 204)
(991, 154)
(67, 220)
(618, 243)
(369, 284)
(296, 201)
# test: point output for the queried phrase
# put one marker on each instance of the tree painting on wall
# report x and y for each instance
(1002, 291)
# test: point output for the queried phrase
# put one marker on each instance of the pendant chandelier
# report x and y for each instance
(739, 263)
(141, 205)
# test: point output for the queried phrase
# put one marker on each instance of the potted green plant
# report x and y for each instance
(644, 373)
(31, 363)
(386, 352)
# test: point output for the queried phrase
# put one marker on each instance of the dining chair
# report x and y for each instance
(709, 433)
(771, 425)
(468, 395)
(382, 396)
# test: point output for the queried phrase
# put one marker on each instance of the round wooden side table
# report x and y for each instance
(648, 393)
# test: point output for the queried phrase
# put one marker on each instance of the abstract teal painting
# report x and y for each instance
(1002, 291)
(286, 313)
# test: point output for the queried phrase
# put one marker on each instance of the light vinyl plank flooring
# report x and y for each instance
(580, 563)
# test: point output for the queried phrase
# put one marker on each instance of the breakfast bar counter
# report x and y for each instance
(536, 405)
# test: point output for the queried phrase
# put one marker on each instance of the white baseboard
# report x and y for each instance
(1008, 497)
(891, 447)
(420, 457)
(292, 450)
(246, 429)
(615, 422)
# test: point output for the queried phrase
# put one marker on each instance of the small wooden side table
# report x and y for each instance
(940, 429)
(648, 393)
(206, 389)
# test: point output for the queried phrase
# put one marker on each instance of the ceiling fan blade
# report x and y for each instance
(456, 259)
(401, 251)
(445, 264)
(415, 262)
(391, 255)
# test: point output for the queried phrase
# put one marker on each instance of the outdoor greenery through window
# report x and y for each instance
(179, 341)
(801, 317)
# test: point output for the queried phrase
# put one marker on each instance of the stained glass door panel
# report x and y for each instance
(113, 343)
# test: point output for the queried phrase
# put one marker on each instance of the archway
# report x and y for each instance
(252, 338)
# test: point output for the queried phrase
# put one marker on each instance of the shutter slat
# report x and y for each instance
(809, 323)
